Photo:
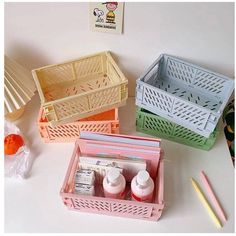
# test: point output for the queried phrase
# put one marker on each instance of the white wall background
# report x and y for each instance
(38, 34)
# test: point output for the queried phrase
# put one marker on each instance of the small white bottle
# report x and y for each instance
(142, 187)
(114, 184)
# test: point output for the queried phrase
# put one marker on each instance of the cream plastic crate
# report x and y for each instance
(77, 89)
(105, 122)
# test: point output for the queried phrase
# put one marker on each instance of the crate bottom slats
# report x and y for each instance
(155, 125)
(105, 122)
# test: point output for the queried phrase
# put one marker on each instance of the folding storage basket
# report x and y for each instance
(184, 93)
(80, 88)
(152, 124)
(101, 205)
(105, 122)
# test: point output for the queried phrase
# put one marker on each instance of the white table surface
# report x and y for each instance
(34, 204)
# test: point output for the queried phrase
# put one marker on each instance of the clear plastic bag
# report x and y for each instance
(19, 164)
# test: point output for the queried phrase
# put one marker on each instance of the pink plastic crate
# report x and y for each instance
(105, 122)
(123, 208)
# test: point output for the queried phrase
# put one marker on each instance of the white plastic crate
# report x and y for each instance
(184, 93)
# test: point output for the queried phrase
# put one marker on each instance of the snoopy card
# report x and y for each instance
(106, 16)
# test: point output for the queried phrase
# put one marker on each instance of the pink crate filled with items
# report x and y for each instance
(105, 122)
(98, 154)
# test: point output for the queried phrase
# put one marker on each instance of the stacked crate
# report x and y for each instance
(80, 95)
(182, 102)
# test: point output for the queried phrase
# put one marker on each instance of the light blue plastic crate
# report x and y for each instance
(184, 93)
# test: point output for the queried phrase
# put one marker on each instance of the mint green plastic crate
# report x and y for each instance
(155, 125)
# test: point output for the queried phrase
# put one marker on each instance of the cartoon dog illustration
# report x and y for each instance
(99, 14)
(111, 7)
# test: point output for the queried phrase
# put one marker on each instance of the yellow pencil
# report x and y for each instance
(206, 203)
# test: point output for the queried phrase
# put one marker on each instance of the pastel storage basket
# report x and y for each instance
(152, 124)
(105, 122)
(77, 89)
(184, 93)
(115, 207)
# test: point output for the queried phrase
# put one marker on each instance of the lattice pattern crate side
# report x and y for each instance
(51, 76)
(158, 99)
(113, 207)
(64, 132)
(147, 121)
(179, 71)
(89, 105)
(63, 90)
(106, 122)
(70, 119)
(80, 88)
(112, 73)
(176, 110)
(205, 80)
(102, 127)
(89, 66)
(72, 70)
(70, 107)
(100, 205)
(212, 83)
(186, 94)
(122, 208)
(155, 125)
(131, 209)
(124, 92)
(186, 113)
(107, 96)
